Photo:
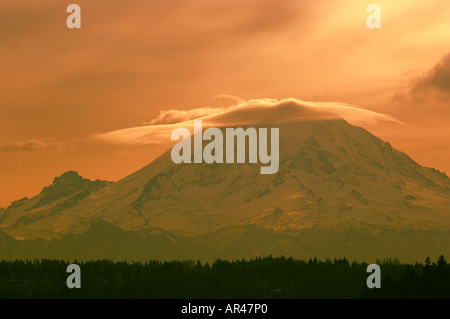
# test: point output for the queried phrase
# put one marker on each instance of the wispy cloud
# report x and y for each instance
(28, 146)
(250, 112)
(176, 116)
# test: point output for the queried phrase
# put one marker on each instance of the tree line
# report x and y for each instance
(266, 277)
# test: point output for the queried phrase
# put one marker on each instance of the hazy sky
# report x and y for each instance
(61, 87)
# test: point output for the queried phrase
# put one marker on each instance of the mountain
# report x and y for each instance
(66, 191)
(339, 191)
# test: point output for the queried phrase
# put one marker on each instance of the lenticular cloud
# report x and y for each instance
(244, 113)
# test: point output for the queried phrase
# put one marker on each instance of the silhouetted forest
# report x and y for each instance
(257, 278)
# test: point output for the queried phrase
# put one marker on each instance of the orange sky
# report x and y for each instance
(132, 59)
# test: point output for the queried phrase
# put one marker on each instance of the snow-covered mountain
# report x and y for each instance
(339, 191)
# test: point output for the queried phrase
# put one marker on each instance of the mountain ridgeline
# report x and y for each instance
(339, 191)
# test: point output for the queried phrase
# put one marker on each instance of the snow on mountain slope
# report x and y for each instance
(332, 175)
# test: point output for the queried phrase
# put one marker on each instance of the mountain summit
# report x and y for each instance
(69, 183)
(339, 191)
(65, 191)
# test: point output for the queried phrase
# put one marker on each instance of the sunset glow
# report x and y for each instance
(65, 94)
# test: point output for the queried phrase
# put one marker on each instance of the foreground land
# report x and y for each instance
(257, 278)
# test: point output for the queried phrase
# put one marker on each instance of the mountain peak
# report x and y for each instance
(69, 183)
(67, 178)
(339, 190)
(69, 174)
